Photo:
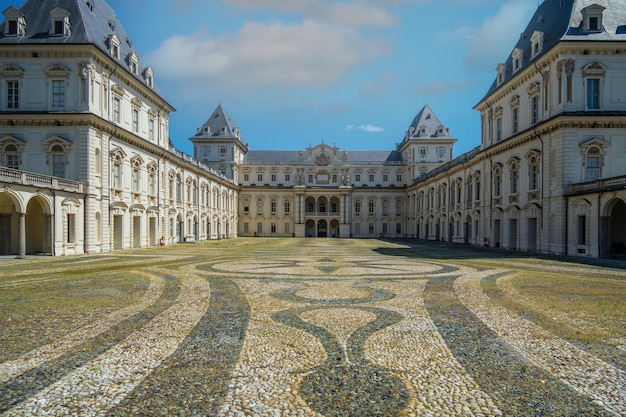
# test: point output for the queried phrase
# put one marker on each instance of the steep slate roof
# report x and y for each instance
(219, 125)
(92, 22)
(428, 120)
(561, 21)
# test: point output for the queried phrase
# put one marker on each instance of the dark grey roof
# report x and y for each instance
(561, 20)
(426, 125)
(92, 22)
(220, 125)
(299, 158)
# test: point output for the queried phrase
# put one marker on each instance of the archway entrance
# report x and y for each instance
(322, 228)
(618, 230)
(8, 218)
(310, 228)
(37, 228)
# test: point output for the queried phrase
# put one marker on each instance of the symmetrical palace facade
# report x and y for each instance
(86, 164)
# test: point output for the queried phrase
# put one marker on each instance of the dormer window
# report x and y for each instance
(59, 22)
(517, 56)
(114, 46)
(148, 75)
(15, 23)
(133, 63)
(592, 18)
(537, 42)
(501, 68)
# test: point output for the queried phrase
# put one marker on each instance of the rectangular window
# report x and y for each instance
(287, 177)
(514, 182)
(399, 178)
(593, 93)
(370, 228)
(273, 206)
(497, 185)
(385, 228)
(13, 161)
(273, 227)
(246, 228)
(357, 178)
(310, 178)
(259, 228)
(423, 152)
(58, 93)
(398, 228)
(357, 207)
(498, 129)
(135, 120)
(152, 184)
(135, 180)
(515, 120)
(71, 228)
(273, 177)
(582, 230)
(370, 207)
(334, 179)
(13, 94)
(385, 177)
(59, 27)
(58, 166)
(246, 177)
(535, 109)
(116, 109)
(593, 168)
(371, 177)
(287, 207)
(117, 176)
(534, 177)
(593, 24)
(12, 27)
(151, 130)
(259, 177)
(259, 207)
(222, 150)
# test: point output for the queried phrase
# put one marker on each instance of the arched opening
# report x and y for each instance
(38, 236)
(322, 205)
(309, 205)
(322, 228)
(310, 228)
(334, 228)
(8, 225)
(618, 230)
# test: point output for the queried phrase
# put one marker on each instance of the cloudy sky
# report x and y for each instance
(352, 73)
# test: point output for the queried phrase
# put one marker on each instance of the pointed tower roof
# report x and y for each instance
(91, 22)
(426, 125)
(219, 125)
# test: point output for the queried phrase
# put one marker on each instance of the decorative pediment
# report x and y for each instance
(118, 154)
(512, 162)
(595, 69)
(57, 71)
(12, 140)
(53, 141)
(532, 153)
(136, 102)
(594, 143)
(11, 71)
(514, 102)
(117, 89)
(136, 160)
(534, 89)
(498, 112)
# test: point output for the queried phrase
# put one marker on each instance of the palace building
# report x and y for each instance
(86, 164)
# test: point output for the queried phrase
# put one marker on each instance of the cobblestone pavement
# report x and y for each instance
(315, 328)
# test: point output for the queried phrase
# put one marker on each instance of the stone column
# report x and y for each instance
(21, 230)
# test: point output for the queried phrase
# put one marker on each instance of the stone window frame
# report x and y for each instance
(12, 74)
(117, 156)
(153, 174)
(593, 148)
(497, 171)
(534, 92)
(514, 166)
(594, 71)
(536, 41)
(533, 157)
(136, 163)
(17, 149)
(114, 44)
(514, 103)
(15, 23)
(60, 25)
(56, 146)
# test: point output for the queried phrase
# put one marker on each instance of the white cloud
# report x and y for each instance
(366, 128)
(353, 14)
(492, 42)
(310, 54)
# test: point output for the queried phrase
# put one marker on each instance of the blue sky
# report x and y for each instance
(352, 73)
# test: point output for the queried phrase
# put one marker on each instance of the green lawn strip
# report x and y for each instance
(20, 388)
(37, 313)
(517, 387)
(601, 300)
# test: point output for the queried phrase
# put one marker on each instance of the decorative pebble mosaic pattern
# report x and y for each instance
(311, 328)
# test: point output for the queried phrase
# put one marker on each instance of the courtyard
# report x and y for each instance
(311, 327)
